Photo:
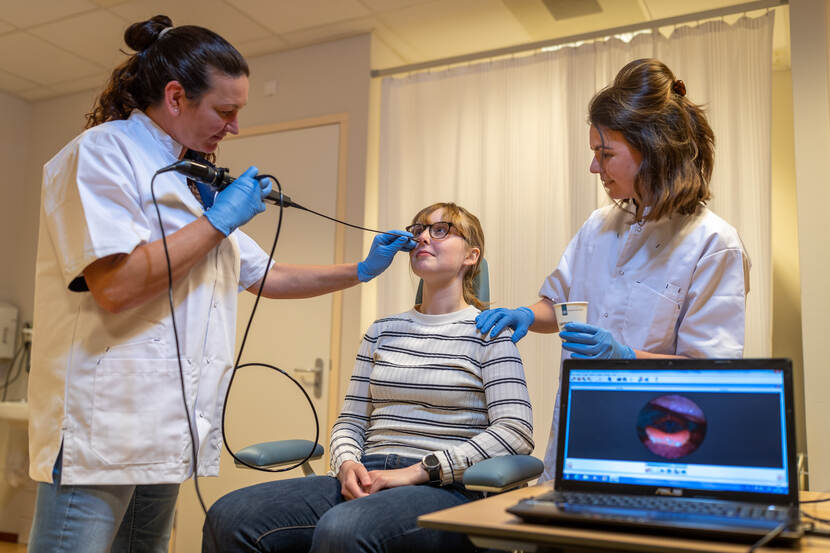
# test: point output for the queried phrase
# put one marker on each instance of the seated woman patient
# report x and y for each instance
(429, 397)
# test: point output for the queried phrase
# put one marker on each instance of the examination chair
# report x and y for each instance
(496, 474)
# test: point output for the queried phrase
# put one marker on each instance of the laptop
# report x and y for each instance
(705, 447)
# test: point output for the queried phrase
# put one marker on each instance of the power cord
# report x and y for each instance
(771, 535)
(237, 364)
(282, 205)
(812, 527)
(193, 451)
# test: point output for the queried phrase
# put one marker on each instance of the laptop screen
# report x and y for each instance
(713, 429)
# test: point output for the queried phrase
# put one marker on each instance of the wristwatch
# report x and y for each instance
(433, 468)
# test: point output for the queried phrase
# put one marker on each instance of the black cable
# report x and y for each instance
(179, 353)
(298, 206)
(826, 499)
(815, 518)
(236, 366)
(771, 535)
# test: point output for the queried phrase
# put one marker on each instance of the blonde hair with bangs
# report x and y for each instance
(469, 227)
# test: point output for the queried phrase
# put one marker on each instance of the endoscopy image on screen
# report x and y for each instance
(671, 426)
(707, 428)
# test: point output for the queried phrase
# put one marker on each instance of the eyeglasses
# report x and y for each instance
(438, 230)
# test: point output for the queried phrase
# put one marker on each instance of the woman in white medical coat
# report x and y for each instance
(109, 438)
(663, 276)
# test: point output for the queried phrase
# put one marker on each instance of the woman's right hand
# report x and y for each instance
(498, 319)
(354, 480)
(239, 202)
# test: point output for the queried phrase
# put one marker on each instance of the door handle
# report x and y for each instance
(316, 373)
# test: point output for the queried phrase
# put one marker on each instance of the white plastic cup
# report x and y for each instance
(571, 312)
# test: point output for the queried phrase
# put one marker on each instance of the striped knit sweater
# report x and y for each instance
(433, 384)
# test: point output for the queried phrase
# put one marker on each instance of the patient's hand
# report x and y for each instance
(355, 480)
(382, 479)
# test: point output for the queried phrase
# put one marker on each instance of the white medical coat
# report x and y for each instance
(676, 286)
(106, 385)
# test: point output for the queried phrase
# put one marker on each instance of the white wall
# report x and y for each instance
(786, 283)
(14, 137)
(14, 283)
(810, 43)
(318, 80)
(15, 287)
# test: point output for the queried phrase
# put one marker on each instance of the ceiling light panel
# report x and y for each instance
(284, 16)
(568, 9)
(541, 24)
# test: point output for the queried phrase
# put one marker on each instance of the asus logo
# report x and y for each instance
(669, 491)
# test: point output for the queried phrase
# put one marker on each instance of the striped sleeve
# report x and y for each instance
(510, 430)
(349, 430)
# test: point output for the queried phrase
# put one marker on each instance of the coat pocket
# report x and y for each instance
(651, 318)
(137, 413)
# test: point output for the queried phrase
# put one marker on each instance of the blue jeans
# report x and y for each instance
(102, 519)
(310, 514)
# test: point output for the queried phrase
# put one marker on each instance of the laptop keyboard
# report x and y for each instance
(670, 505)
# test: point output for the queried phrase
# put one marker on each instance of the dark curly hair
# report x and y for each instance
(648, 105)
(164, 53)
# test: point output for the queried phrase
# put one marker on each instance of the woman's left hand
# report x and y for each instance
(392, 478)
(383, 250)
(592, 342)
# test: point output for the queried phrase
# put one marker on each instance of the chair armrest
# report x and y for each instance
(500, 474)
(274, 454)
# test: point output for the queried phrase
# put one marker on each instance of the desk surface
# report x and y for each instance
(488, 524)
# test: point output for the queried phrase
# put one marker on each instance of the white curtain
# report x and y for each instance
(508, 140)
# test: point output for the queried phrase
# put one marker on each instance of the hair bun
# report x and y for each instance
(679, 87)
(139, 36)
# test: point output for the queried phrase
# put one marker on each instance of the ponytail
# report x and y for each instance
(164, 53)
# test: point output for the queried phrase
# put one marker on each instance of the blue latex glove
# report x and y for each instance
(498, 319)
(592, 342)
(207, 193)
(383, 250)
(239, 202)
